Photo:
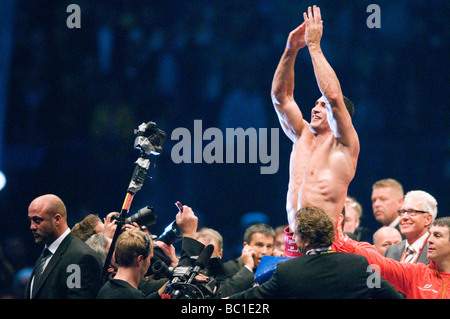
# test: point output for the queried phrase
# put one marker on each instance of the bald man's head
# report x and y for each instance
(48, 218)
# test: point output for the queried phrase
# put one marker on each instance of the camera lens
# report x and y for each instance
(145, 216)
(171, 234)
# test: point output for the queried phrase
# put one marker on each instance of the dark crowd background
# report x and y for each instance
(71, 98)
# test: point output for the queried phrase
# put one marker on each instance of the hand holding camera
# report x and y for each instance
(187, 222)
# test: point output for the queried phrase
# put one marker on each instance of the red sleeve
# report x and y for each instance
(397, 273)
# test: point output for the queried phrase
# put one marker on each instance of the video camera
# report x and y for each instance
(183, 284)
(149, 141)
(149, 138)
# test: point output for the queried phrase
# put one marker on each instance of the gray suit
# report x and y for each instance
(396, 251)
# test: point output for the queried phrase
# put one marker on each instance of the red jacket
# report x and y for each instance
(416, 281)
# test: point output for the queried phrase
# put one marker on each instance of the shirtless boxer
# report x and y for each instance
(325, 151)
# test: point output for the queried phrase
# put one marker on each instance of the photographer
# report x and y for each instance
(133, 251)
(164, 251)
(193, 245)
(199, 263)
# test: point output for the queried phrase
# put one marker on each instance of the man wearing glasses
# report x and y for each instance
(418, 211)
(416, 281)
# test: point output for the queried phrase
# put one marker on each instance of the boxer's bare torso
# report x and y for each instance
(320, 171)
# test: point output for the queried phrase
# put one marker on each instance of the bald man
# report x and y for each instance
(385, 237)
(68, 267)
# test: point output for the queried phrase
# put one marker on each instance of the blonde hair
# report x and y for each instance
(210, 234)
(389, 182)
(130, 244)
(354, 203)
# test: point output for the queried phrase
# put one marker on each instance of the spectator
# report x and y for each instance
(279, 239)
(353, 213)
(100, 244)
(259, 240)
(7, 272)
(418, 211)
(384, 237)
(90, 225)
(387, 199)
(210, 236)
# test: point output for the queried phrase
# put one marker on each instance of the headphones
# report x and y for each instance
(144, 252)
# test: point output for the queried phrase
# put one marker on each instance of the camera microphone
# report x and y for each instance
(201, 261)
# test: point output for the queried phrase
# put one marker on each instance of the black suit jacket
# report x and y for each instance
(396, 251)
(239, 278)
(325, 276)
(73, 260)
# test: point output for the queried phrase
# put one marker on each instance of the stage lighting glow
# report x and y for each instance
(2, 180)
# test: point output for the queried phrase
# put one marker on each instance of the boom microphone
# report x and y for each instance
(201, 261)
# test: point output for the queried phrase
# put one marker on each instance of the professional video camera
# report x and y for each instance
(149, 138)
(149, 141)
(183, 284)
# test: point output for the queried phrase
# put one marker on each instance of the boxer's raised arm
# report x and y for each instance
(282, 92)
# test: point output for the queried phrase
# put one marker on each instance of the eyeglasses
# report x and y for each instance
(411, 212)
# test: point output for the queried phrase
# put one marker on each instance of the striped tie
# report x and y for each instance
(409, 254)
(39, 267)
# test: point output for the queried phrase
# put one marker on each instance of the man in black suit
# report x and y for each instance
(418, 211)
(259, 240)
(70, 268)
(320, 273)
(387, 199)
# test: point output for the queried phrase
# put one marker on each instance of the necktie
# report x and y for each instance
(39, 267)
(409, 255)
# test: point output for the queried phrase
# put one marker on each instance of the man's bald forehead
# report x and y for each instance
(51, 204)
